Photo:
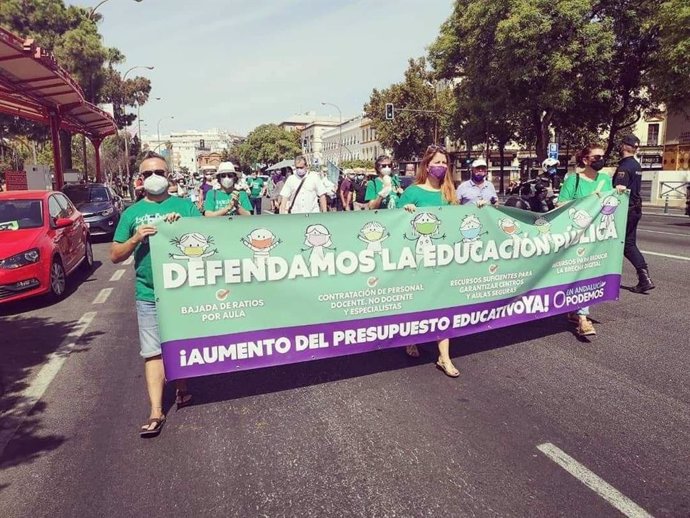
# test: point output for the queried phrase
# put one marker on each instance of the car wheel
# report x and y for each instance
(87, 263)
(58, 280)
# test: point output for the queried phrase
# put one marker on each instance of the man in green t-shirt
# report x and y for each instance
(136, 224)
(381, 193)
(257, 189)
(227, 200)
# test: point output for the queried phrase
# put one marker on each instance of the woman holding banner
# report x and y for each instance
(433, 187)
(581, 185)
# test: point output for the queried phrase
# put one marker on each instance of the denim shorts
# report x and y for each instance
(149, 339)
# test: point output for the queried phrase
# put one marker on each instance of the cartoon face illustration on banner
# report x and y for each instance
(470, 228)
(194, 246)
(373, 234)
(426, 227)
(542, 224)
(580, 218)
(317, 238)
(608, 208)
(509, 226)
(260, 241)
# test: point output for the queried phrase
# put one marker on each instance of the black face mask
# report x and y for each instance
(597, 165)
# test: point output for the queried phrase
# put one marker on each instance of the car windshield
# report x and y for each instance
(81, 194)
(20, 214)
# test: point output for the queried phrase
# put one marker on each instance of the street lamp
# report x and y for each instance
(94, 9)
(159, 130)
(124, 77)
(340, 131)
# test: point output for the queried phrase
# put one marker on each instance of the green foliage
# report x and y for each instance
(357, 164)
(268, 144)
(411, 132)
(72, 36)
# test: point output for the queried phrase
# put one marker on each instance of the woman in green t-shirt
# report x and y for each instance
(580, 185)
(433, 187)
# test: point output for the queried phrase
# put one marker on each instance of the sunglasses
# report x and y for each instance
(435, 148)
(157, 172)
(225, 175)
(596, 157)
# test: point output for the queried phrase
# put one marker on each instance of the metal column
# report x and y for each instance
(54, 118)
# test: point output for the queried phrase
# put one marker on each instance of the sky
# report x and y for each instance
(236, 64)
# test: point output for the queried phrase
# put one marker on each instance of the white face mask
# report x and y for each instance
(300, 171)
(385, 171)
(227, 183)
(155, 184)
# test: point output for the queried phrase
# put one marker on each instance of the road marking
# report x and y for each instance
(34, 392)
(102, 296)
(670, 256)
(117, 275)
(594, 482)
(666, 233)
(129, 260)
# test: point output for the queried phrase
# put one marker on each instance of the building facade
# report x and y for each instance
(359, 142)
(676, 155)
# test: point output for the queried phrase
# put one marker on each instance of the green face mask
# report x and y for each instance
(426, 229)
(373, 236)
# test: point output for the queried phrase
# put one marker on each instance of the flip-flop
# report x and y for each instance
(412, 351)
(183, 399)
(153, 432)
(448, 369)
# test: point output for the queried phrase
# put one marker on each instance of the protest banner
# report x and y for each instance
(253, 292)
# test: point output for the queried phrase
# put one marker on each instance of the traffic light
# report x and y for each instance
(390, 111)
(202, 144)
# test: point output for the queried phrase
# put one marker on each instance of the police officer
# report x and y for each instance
(629, 175)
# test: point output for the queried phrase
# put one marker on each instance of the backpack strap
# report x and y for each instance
(294, 198)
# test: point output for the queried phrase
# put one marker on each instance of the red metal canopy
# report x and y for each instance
(33, 86)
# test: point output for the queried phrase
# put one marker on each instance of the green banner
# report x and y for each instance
(248, 292)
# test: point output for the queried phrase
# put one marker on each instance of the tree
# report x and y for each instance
(410, 132)
(357, 164)
(72, 36)
(538, 56)
(268, 144)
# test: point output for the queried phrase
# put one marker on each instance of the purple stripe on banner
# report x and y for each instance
(264, 348)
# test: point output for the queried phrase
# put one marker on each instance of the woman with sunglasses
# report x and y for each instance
(228, 200)
(580, 185)
(433, 187)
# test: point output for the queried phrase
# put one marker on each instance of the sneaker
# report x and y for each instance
(585, 328)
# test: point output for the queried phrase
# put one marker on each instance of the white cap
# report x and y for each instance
(226, 167)
(480, 162)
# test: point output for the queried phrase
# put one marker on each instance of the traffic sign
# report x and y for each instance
(553, 150)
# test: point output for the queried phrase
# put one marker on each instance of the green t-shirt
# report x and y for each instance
(256, 185)
(218, 198)
(585, 186)
(420, 197)
(373, 188)
(146, 212)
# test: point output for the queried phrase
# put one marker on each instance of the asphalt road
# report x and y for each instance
(368, 435)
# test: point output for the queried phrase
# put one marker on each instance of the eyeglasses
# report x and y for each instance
(596, 157)
(157, 172)
(436, 148)
(225, 175)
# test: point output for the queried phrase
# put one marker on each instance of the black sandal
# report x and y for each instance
(146, 430)
(182, 398)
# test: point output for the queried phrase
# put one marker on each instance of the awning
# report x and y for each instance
(32, 85)
(281, 164)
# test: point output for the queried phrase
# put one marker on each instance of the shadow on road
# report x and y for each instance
(225, 387)
(27, 342)
(74, 281)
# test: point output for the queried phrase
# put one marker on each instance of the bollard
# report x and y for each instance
(666, 205)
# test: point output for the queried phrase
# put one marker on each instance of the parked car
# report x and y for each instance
(43, 239)
(99, 205)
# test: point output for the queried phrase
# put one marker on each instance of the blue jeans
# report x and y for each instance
(149, 339)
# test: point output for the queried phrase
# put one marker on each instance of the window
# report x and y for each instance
(653, 134)
(66, 206)
(54, 208)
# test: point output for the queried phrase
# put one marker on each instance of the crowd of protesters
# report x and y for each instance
(299, 190)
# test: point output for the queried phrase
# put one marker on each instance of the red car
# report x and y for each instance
(43, 239)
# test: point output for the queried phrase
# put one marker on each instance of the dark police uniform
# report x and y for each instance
(629, 174)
